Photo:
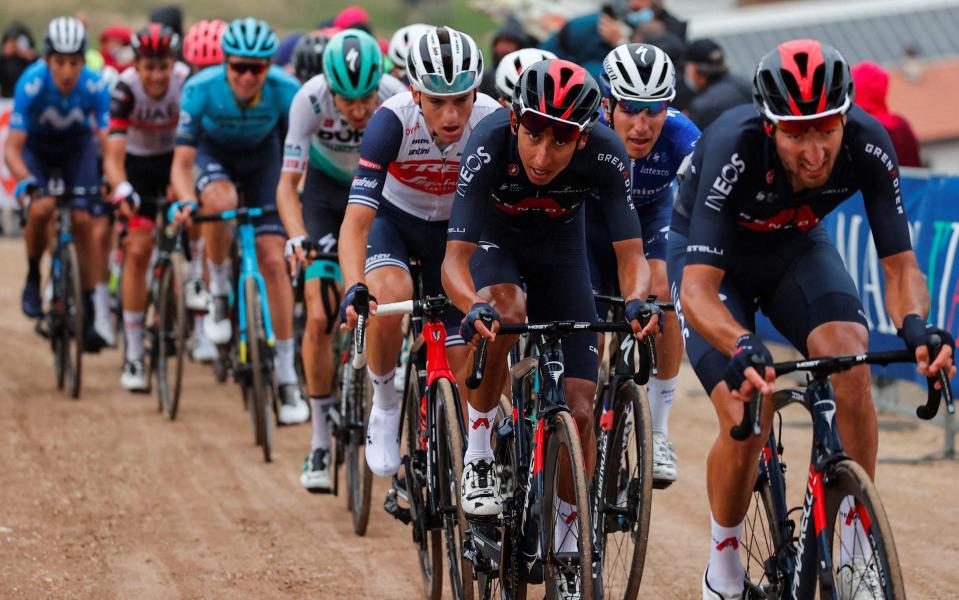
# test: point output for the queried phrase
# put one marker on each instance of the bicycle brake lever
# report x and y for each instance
(475, 377)
(931, 408)
(750, 424)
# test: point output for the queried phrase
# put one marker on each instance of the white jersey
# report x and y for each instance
(399, 160)
(320, 136)
(149, 124)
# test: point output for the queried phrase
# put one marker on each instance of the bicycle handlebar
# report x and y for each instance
(243, 212)
(361, 302)
(619, 301)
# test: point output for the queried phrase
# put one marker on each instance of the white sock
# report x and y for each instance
(194, 270)
(133, 329)
(385, 396)
(855, 543)
(726, 572)
(660, 393)
(285, 371)
(479, 430)
(566, 532)
(320, 410)
(101, 300)
(220, 278)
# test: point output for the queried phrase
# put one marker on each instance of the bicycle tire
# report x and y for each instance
(72, 332)
(628, 483)
(563, 443)
(429, 545)
(847, 478)
(450, 474)
(762, 535)
(171, 333)
(359, 477)
(256, 352)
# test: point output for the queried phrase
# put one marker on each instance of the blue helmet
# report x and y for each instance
(250, 38)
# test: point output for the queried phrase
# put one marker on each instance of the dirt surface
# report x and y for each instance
(104, 498)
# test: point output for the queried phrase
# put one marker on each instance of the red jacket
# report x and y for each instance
(872, 84)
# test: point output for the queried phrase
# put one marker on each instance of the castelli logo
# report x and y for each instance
(770, 174)
(513, 170)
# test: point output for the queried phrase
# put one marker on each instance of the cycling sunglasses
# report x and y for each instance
(800, 127)
(247, 67)
(635, 107)
(437, 84)
(537, 122)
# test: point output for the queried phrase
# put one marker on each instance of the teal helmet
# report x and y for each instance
(249, 38)
(353, 64)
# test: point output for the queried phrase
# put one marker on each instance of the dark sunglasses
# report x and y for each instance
(634, 107)
(247, 67)
(563, 131)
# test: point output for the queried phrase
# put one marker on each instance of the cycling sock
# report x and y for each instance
(195, 268)
(101, 300)
(320, 410)
(219, 278)
(725, 572)
(855, 543)
(33, 270)
(565, 532)
(660, 393)
(285, 371)
(133, 329)
(480, 427)
(385, 396)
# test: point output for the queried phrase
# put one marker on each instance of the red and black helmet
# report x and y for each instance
(155, 41)
(800, 80)
(559, 89)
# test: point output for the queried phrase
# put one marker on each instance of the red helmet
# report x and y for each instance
(800, 80)
(560, 90)
(201, 46)
(155, 41)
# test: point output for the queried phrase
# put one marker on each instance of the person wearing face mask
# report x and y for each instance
(117, 53)
(15, 56)
(715, 88)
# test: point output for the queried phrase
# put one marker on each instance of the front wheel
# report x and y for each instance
(171, 335)
(450, 459)
(864, 556)
(359, 477)
(68, 316)
(260, 372)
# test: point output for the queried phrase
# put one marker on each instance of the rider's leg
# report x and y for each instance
(137, 248)
(279, 291)
(318, 358)
(218, 196)
(102, 243)
(661, 388)
(36, 237)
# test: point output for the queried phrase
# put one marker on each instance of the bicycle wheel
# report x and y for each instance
(571, 566)
(359, 477)
(171, 335)
(864, 556)
(428, 541)
(260, 376)
(449, 475)
(69, 330)
(627, 495)
(763, 533)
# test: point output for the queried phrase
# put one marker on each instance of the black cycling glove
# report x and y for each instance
(348, 299)
(916, 332)
(638, 310)
(481, 311)
(749, 350)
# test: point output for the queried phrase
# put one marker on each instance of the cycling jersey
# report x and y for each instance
(400, 162)
(149, 124)
(319, 136)
(209, 109)
(737, 197)
(52, 120)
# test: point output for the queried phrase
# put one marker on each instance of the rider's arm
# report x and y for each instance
(26, 91)
(187, 135)
(699, 297)
(181, 173)
(122, 103)
(906, 290)
(296, 152)
(354, 233)
(13, 154)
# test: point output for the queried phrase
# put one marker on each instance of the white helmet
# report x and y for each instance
(513, 64)
(444, 62)
(639, 72)
(65, 35)
(402, 40)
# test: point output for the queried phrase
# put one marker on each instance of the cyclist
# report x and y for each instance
(308, 56)
(511, 67)
(201, 45)
(55, 102)
(399, 48)
(398, 207)
(231, 120)
(639, 82)
(144, 108)
(327, 119)
(525, 176)
(746, 234)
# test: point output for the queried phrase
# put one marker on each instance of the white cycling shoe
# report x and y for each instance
(134, 378)
(664, 460)
(197, 298)
(216, 324)
(480, 489)
(383, 441)
(293, 409)
(711, 594)
(859, 581)
(104, 328)
(203, 351)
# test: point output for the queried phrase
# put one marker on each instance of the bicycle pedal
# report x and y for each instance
(483, 519)
(662, 484)
(391, 506)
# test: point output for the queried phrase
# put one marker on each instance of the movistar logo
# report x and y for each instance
(51, 116)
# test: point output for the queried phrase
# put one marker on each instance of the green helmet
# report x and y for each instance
(353, 64)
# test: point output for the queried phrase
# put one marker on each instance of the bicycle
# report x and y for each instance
(253, 368)
(785, 561)
(434, 432)
(534, 436)
(64, 321)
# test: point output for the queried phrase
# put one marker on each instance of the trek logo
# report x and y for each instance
(548, 206)
(480, 422)
(723, 184)
(431, 176)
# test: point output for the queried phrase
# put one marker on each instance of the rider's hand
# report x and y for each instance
(298, 253)
(916, 333)
(126, 200)
(639, 312)
(612, 30)
(472, 328)
(348, 314)
(741, 376)
(24, 188)
(184, 213)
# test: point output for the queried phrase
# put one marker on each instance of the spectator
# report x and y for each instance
(17, 53)
(872, 84)
(511, 36)
(284, 53)
(715, 88)
(170, 15)
(116, 49)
